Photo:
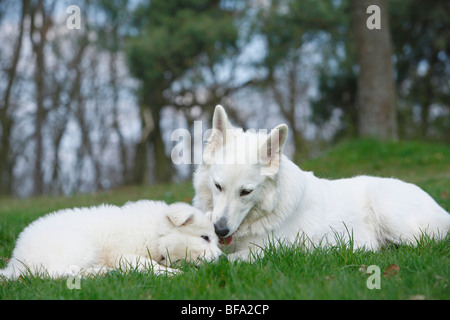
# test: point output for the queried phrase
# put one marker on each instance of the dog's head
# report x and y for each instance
(189, 236)
(238, 173)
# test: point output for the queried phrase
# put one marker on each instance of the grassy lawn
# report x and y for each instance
(287, 273)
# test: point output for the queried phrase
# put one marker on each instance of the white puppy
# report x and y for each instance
(139, 235)
(257, 195)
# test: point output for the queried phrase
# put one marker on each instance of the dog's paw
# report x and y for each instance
(237, 256)
(165, 271)
(245, 256)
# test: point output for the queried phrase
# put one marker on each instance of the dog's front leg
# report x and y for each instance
(248, 255)
(163, 270)
(247, 249)
(239, 256)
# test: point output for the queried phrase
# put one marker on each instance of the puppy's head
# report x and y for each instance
(189, 236)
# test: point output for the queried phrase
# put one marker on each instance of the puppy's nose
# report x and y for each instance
(220, 230)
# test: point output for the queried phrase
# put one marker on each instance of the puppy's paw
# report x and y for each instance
(165, 271)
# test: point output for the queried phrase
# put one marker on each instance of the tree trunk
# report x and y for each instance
(6, 164)
(38, 35)
(140, 171)
(113, 83)
(6, 120)
(375, 98)
(163, 169)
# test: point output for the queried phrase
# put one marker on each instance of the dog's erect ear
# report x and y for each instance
(220, 120)
(179, 215)
(280, 138)
(220, 124)
(274, 143)
(270, 150)
(216, 141)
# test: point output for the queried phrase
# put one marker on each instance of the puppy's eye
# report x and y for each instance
(218, 186)
(205, 238)
(245, 192)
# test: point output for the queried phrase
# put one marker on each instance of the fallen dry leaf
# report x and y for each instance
(391, 271)
(363, 268)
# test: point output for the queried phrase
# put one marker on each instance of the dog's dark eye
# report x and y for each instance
(205, 238)
(245, 192)
(218, 186)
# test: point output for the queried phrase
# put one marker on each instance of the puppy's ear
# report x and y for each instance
(270, 151)
(180, 215)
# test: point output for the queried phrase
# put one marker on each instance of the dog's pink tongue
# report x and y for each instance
(226, 240)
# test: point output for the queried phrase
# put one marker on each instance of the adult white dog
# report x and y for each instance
(257, 195)
(140, 235)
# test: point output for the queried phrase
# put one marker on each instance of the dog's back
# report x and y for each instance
(59, 240)
(371, 211)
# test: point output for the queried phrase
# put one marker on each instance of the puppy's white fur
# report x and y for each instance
(288, 204)
(138, 235)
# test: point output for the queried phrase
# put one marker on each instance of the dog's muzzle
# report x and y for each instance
(222, 230)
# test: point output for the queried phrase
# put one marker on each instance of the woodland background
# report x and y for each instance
(93, 108)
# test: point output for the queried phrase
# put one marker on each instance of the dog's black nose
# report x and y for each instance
(221, 231)
(221, 227)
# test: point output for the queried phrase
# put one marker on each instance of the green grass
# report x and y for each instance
(285, 273)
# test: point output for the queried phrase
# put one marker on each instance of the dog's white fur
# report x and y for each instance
(289, 204)
(139, 235)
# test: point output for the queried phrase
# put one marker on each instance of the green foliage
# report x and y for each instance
(174, 35)
(419, 34)
(286, 25)
(173, 39)
(339, 93)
